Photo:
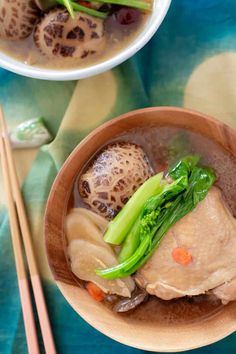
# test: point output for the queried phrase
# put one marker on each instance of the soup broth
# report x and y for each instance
(164, 146)
(49, 49)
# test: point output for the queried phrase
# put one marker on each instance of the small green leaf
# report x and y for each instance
(68, 5)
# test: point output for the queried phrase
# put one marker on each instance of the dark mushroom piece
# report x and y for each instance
(127, 304)
(59, 35)
(17, 18)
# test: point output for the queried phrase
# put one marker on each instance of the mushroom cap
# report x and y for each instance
(59, 35)
(17, 18)
(113, 177)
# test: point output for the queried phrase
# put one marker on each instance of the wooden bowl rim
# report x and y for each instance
(167, 349)
(129, 114)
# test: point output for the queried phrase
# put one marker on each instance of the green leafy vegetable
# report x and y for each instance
(191, 185)
(148, 217)
(68, 5)
(120, 226)
(131, 242)
(138, 4)
(183, 167)
(74, 6)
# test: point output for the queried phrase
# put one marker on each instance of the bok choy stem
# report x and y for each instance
(74, 6)
(68, 5)
(121, 225)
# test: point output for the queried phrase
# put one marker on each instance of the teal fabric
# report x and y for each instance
(160, 74)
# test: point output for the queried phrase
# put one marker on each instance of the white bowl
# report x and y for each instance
(160, 9)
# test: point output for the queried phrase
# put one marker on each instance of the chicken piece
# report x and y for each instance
(17, 18)
(113, 177)
(60, 35)
(226, 292)
(208, 236)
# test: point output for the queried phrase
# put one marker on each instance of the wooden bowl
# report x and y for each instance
(144, 335)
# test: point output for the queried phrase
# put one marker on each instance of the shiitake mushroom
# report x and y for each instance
(17, 18)
(59, 35)
(114, 175)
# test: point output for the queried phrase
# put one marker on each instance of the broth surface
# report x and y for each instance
(117, 37)
(163, 146)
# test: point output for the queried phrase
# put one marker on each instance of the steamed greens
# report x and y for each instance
(137, 4)
(123, 222)
(185, 185)
(148, 216)
(72, 6)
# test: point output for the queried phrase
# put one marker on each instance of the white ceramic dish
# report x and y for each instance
(159, 12)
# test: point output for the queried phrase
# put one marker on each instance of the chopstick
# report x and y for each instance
(29, 251)
(27, 310)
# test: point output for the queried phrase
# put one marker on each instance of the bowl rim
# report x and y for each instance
(152, 25)
(62, 286)
(65, 288)
(129, 114)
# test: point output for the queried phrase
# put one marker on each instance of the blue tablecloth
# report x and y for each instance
(190, 62)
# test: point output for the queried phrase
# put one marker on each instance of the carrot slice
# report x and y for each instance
(182, 256)
(96, 293)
